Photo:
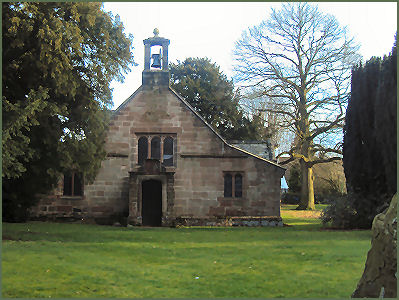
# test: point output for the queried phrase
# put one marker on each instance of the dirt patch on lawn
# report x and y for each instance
(307, 214)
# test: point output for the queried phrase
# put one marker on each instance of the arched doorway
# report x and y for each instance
(151, 209)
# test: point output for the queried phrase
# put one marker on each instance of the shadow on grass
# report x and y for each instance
(307, 224)
(80, 233)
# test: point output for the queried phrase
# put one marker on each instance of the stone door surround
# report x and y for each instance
(152, 169)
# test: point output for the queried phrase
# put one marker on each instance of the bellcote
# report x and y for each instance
(156, 70)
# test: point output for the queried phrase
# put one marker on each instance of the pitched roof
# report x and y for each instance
(123, 104)
(203, 120)
(218, 135)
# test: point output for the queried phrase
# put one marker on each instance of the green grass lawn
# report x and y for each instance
(70, 260)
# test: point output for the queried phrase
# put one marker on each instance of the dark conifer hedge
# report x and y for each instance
(369, 150)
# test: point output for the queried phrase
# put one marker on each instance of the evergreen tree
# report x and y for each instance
(201, 83)
(58, 62)
(385, 121)
(294, 181)
(369, 147)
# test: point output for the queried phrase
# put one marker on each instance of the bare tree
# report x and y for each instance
(300, 59)
(280, 136)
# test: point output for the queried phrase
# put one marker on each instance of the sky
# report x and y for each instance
(210, 29)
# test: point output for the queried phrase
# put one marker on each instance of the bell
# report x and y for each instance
(156, 60)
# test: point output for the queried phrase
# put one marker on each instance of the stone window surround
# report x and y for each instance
(233, 174)
(162, 136)
(72, 196)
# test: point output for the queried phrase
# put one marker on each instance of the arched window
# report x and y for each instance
(156, 147)
(228, 185)
(238, 185)
(168, 151)
(143, 150)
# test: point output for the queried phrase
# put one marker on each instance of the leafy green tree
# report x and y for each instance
(58, 62)
(201, 83)
(294, 180)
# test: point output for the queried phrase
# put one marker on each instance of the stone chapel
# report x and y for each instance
(166, 166)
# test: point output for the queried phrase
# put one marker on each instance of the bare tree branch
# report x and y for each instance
(299, 61)
(323, 161)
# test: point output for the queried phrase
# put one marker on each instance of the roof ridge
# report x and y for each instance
(257, 156)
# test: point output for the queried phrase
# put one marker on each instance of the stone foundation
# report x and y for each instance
(244, 221)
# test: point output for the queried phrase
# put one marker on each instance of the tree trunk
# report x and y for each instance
(307, 190)
(379, 276)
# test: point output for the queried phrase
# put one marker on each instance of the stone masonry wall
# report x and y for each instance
(201, 160)
(55, 205)
(109, 193)
(199, 188)
(107, 196)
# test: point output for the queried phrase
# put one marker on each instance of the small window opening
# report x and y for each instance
(168, 151)
(233, 185)
(143, 150)
(73, 184)
(228, 185)
(156, 148)
(238, 185)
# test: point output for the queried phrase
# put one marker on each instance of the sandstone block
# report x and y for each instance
(101, 209)
(64, 208)
(217, 211)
